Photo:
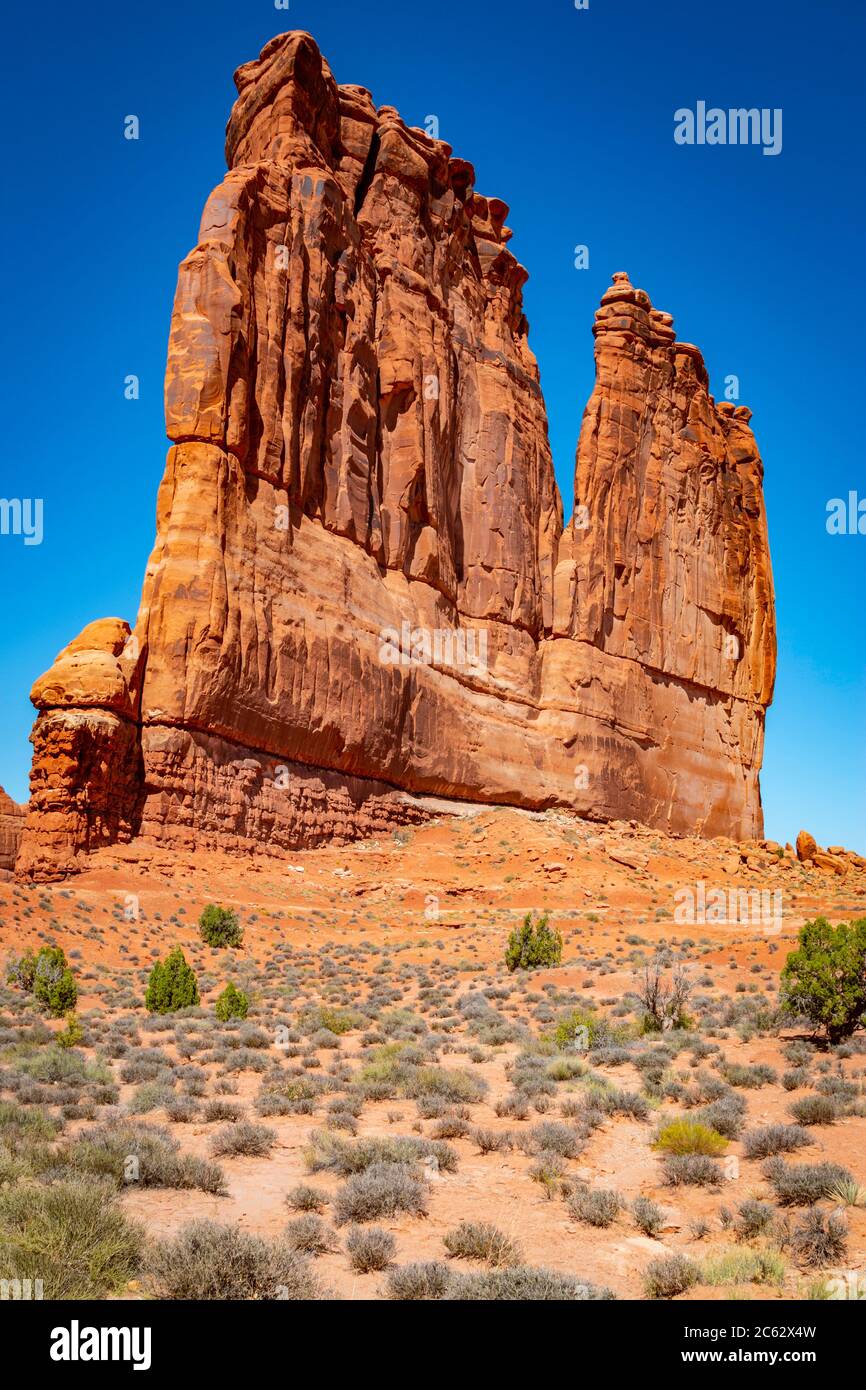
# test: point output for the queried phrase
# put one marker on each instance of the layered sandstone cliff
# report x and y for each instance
(361, 585)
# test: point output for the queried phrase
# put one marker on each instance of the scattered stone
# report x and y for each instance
(631, 858)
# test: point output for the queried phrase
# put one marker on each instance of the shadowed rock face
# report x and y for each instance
(361, 585)
(11, 825)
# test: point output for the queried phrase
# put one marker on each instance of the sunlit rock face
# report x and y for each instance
(361, 586)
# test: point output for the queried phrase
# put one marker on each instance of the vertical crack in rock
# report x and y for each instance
(360, 490)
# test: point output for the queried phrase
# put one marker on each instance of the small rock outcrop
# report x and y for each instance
(836, 859)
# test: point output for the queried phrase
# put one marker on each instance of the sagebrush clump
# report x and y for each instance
(210, 1261)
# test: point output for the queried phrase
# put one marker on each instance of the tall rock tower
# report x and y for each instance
(361, 586)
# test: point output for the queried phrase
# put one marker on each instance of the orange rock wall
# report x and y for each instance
(360, 451)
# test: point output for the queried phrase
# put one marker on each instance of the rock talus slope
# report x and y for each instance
(361, 585)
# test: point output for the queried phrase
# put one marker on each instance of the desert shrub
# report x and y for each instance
(139, 1153)
(533, 946)
(749, 1078)
(306, 1198)
(72, 1034)
(65, 1067)
(182, 1110)
(383, 1189)
(490, 1141)
(548, 1171)
(347, 1104)
(837, 1087)
(221, 1111)
(530, 1083)
(551, 1137)
(242, 1059)
(803, 1184)
(47, 977)
(848, 1193)
(419, 1282)
(309, 1234)
(523, 1284)
(824, 980)
(341, 1119)
(753, 1218)
(283, 1095)
(153, 1095)
(820, 1238)
(450, 1127)
(513, 1107)
(450, 1083)
(336, 1021)
(620, 1102)
(595, 1206)
(26, 1123)
(815, 1110)
(767, 1140)
(345, 1156)
(740, 1266)
(662, 999)
(220, 926)
(21, 1126)
(583, 1025)
(172, 985)
(689, 1137)
(232, 1003)
(209, 1261)
(669, 1276)
(145, 1067)
(726, 1115)
(481, 1240)
(396, 1069)
(369, 1248)
(795, 1078)
(565, 1068)
(72, 1235)
(692, 1170)
(434, 1107)
(21, 972)
(269, 1105)
(243, 1137)
(648, 1216)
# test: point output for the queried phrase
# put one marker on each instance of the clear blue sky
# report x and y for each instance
(567, 116)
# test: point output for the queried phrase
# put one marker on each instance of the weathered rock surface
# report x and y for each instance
(806, 846)
(836, 859)
(11, 827)
(361, 585)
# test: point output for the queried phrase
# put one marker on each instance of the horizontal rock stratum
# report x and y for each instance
(361, 585)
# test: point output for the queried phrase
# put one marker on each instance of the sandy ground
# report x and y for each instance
(445, 896)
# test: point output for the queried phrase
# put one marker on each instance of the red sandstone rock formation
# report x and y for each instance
(11, 825)
(361, 586)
